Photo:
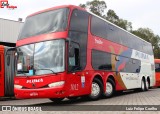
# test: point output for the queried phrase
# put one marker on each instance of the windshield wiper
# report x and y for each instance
(22, 72)
(48, 69)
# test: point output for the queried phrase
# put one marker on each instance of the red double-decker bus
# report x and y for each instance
(65, 52)
(157, 70)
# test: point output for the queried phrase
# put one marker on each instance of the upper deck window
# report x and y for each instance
(51, 21)
(114, 34)
(79, 21)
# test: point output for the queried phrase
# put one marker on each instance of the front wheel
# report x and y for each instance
(96, 89)
(56, 100)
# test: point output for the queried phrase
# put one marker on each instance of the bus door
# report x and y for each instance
(9, 71)
(1, 74)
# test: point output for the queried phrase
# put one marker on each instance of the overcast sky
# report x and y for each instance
(142, 13)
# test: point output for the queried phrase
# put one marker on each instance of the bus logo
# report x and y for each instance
(98, 41)
(34, 80)
(141, 55)
(33, 85)
(5, 4)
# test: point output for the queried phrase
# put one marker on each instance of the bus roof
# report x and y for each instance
(117, 26)
(73, 6)
(57, 7)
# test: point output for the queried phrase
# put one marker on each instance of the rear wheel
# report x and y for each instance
(143, 85)
(147, 85)
(56, 100)
(96, 89)
(110, 88)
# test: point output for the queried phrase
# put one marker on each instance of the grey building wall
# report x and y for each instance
(9, 30)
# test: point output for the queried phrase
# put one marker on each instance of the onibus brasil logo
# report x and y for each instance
(5, 4)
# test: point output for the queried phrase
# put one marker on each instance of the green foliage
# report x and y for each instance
(82, 5)
(99, 7)
(112, 17)
(95, 6)
(148, 35)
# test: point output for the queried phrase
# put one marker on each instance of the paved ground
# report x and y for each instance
(151, 97)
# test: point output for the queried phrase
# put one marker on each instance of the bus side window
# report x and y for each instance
(74, 58)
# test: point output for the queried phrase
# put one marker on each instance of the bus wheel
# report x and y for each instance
(143, 86)
(147, 85)
(96, 90)
(110, 87)
(56, 100)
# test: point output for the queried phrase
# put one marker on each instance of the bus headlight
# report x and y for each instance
(56, 84)
(18, 86)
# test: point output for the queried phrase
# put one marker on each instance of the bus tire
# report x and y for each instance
(147, 85)
(56, 100)
(96, 89)
(110, 88)
(143, 85)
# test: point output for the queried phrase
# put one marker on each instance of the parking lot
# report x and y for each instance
(151, 97)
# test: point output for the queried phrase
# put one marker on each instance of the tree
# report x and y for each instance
(148, 35)
(98, 7)
(113, 18)
(83, 5)
(95, 6)
(125, 24)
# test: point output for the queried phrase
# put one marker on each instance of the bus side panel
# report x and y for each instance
(9, 72)
(157, 79)
(1, 73)
(157, 72)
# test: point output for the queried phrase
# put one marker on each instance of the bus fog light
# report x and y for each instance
(55, 84)
(18, 86)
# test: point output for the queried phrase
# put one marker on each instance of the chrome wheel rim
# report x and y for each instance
(109, 88)
(95, 89)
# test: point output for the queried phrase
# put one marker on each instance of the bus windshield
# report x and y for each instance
(41, 58)
(51, 21)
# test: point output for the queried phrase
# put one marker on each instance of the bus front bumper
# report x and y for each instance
(40, 93)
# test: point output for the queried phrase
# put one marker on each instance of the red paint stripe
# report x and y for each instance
(42, 37)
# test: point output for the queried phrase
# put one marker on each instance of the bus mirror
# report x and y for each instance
(71, 47)
(10, 49)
